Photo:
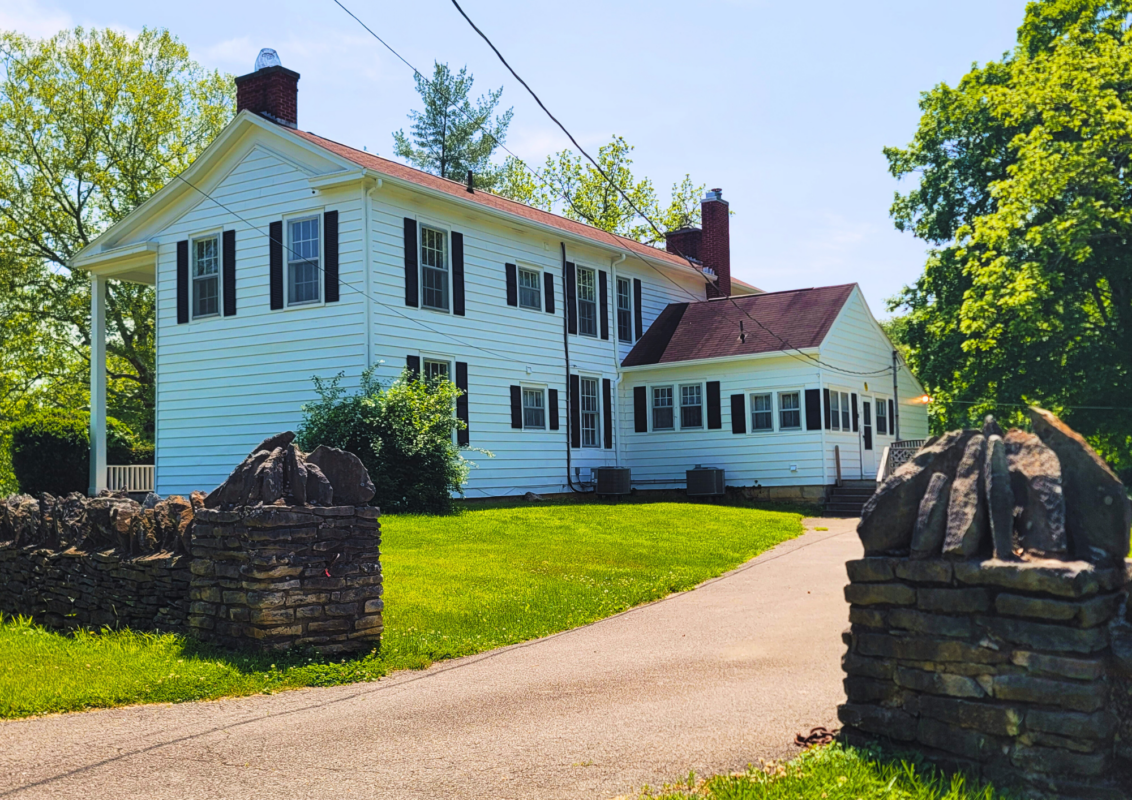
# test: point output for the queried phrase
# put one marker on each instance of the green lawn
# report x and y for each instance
(487, 576)
(833, 773)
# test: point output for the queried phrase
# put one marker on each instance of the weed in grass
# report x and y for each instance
(821, 529)
(486, 576)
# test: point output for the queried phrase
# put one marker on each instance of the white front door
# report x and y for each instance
(868, 454)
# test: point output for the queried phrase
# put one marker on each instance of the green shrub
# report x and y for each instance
(402, 433)
(51, 450)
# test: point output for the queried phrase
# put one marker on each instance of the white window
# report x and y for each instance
(591, 417)
(534, 409)
(587, 301)
(762, 412)
(624, 311)
(882, 416)
(691, 406)
(435, 370)
(303, 261)
(530, 289)
(845, 412)
(789, 410)
(206, 277)
(662, 418)
(434, 268)
(834, 411)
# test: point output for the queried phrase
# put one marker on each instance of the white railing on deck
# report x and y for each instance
(897, 455)
(133, 478)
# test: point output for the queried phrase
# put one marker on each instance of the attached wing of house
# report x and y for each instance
(281, 255)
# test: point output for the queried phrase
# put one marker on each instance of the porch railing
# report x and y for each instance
(134, 478)
(896, 455)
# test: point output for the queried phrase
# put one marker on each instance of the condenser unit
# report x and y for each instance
(613, 481)
(705, 482)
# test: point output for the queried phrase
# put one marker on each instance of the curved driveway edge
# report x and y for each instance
(708, 680)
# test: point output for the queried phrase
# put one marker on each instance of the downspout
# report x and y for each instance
(566, 350)
(616, 406)
(367, 244)
(821, 420)
(895, 399)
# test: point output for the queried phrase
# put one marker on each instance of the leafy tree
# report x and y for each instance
(453, 135)
(572, 186)
(92, 122)
(1025, 196)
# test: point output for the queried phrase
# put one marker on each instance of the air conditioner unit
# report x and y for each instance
(613, 480)
(705, 482)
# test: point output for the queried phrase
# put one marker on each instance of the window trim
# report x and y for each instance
(628, 309)
(288, 252)
(834, 409)
(422, 223)
(672, 387)
(447, 362)
(597, 413)
(541, 390)
(521, 268)
(749, 399)
(702, 404)
(218, 235)
(878, 400)
(578, 270)
(800, 410)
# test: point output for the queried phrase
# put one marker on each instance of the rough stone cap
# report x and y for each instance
(1048, 576)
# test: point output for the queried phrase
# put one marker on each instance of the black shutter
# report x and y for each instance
(330, 251)
(552, 402)
(275, 262)
(738, 414)
(463, 436)
(607, 410)
(548, 291)
(825, 397)
(571, 299)
(813, 410)
(458, 274)
(603, 302)
(414, 365)
(229, 269)
(182, 282)
(412, 273)
(516, 407)
(512, 284)
(640, 409)
(638, 317)
(575, 411)
(714, 412)
(891, 417)
(856, 413)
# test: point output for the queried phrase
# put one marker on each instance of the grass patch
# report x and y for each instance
(834, 772)
(486, 576)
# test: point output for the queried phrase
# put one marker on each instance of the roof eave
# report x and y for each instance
(804, 351)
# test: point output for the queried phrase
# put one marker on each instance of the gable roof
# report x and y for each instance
(460, 191)
(710, 328)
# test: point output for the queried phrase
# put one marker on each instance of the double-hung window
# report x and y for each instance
(587, 302)
(882, 416)
(303, 261)
(762, 412)
(530, 289)
(534, 409)
(624, 311)
(206, 277)
(590, 414)
(789, 410)
(835, 411)
(691, 406)
(435, 370)
(434, 268)
(662, 417)
(845, 412)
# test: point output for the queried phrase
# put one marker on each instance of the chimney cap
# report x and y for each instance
(714, 194)
(267, 58)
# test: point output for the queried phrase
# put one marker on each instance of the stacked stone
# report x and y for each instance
(276, 577)
(1001, 668)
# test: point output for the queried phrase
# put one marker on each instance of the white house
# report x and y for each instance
(280, 255)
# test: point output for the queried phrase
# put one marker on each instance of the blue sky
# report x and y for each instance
(784, 106)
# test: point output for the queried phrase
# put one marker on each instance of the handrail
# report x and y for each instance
(132, 478)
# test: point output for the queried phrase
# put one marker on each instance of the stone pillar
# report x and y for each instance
(277, 577)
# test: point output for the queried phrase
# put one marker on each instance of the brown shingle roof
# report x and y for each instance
(710, 328)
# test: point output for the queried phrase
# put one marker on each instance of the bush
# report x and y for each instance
(402, 433)
(51, 450)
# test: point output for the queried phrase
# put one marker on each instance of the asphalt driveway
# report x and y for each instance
(708, 680)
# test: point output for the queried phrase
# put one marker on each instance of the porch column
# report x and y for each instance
(97, 383)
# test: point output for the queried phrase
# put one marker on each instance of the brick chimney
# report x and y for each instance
(272, 91)
(715, 246)
(684, 242)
